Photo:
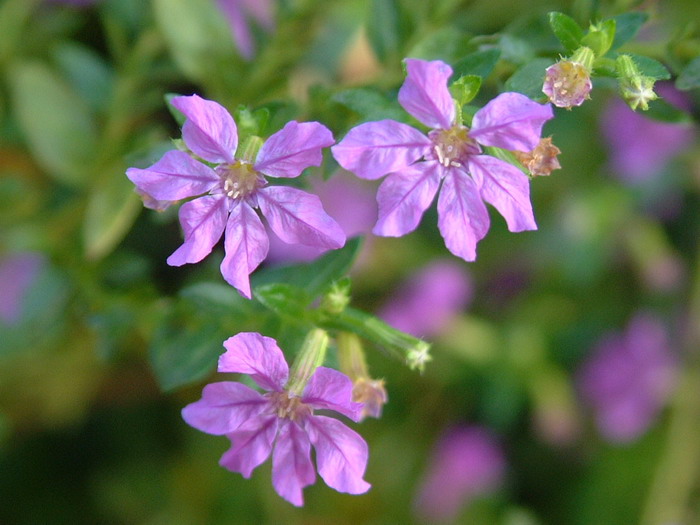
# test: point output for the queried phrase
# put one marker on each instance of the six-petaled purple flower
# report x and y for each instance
(256, 422)
(235, 187)
(451, 154)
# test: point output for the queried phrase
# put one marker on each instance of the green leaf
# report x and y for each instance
(370, 104)
(446, 43)
(287, 301)
(87, 72)
(197, 34)
(479, 63)
(566, 30)
(601, 39)
(626, 27)
(651, 68)
(181, 354)
(313, 277)
(529, 79)
(383, 28)
(55, 120)
(689, 78)
(465, 89)
(13, 17)
(111, 210)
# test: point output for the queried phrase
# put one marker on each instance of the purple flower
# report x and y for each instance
(238, 12)
(255, 422)
(628, 379)
(429, 300)
(467, 462)
(17, 273)
(633, 155)
(450, 155)
(235, 186)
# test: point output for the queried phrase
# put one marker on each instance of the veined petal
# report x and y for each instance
(203, 221)
(246, 245)
(403, 198)
(341, 454)
(506, 188)
(424, 93)
(175, 176)
(292, 469)
(209, 130)
(510, 121)
(293, 149)
(224, 407)
(462, 216)
(258, 356)
(251, 445)
(298, 217)
(331, 390)
(374, 149)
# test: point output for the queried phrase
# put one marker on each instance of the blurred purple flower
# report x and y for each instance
(450, 155)
(628, 378)
(254, 422)
(234, 187)
(429, 300)
(347, 200)
(640, 146)
(17, 273)
(238, 13)
(467, 462)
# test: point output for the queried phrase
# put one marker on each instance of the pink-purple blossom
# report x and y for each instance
(238, 13)
(234, 186)
(429, 300)
(567, 84)
(281, 423)
(448, 159)
(467, 462)
(628, 378)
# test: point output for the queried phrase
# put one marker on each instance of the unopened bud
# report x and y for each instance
(370, 392)
(635, 88)
(309, 358)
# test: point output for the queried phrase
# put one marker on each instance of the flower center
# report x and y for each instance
(451, 147)
(289, 407)
(239, 179)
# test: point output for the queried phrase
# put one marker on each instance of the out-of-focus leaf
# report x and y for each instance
(650, 67)
(183, 352)
(529, 79)
(314, 277)
(370, 104)
(91, 77)
(197, 34)
(446, 44)
(111, 210)
(626, 27)
(217, 299)
(56, 121)
(479, 63)
(285, 300)
(465, 89)
(566, 30)
(383, 28)
(689, 78)
(13, 15)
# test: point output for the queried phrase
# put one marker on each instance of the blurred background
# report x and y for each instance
(565, 380)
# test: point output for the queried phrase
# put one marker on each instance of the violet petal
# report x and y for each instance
(203, 221)
(258, 356)
(293, 149)
(331, 390)
(424, 93)
(251, 445)
(292, 469)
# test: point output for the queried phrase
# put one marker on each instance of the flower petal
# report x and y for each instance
(292, 469)
(251, 445)
(424, 93)
(403, 198)
(374, 149)
(462, 216)
(298, 217)
(175, 176)
(510, 121)
(258, 356)
(232, 10)
(209, 130)
(341, 454)
(331, 390)
(506, 188)
(293, 149)
(246, 246)
(203, 221)
(224, 407)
